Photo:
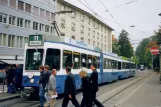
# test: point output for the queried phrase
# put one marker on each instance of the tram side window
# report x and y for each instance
(90, 60)
(98, 61)
(67, 58)
(83, 60)
(53, 58)
(95, 61)
(105, 63)
(76, 60)
(119, 65)
(110, 64)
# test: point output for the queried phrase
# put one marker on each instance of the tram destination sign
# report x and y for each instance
(35, 40)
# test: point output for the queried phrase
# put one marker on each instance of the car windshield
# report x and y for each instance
(34, 59)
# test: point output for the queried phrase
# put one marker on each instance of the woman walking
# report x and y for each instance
(87, 100)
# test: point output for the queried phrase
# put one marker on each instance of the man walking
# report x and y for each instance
(70, 89)
(51, 88)
(94, 85)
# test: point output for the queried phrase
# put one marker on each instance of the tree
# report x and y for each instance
(115, 46)
(125, 48)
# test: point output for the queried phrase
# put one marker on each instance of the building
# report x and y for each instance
(20, 18)
(83, 26)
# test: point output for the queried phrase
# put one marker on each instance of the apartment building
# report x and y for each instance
(83, 26)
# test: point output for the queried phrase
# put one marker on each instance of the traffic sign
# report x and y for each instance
(154, 50)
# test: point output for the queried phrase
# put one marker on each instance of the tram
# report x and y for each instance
(58, 52)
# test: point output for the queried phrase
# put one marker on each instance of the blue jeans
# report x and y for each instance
(41, 95)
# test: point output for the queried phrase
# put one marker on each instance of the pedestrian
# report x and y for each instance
(70, 89)
(86, 101)
(51, 88)
(18, 77)
(41, 86)
(94, 85)
(10, 75)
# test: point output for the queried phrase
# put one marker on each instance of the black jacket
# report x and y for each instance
(70, 86)
(86, 87)
(44, 78)
(94, 80)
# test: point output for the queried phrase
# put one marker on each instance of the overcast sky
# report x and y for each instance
(141, 13)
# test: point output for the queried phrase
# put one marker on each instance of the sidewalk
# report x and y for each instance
(148, 95)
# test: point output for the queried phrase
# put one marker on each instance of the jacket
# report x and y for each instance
(94, 80)
(44, 78)
(51, 85)
(86, 87)
(70, 86)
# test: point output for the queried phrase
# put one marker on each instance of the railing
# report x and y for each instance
(2, 80)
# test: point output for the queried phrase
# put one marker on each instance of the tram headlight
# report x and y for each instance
(32, 81)
(30, 75)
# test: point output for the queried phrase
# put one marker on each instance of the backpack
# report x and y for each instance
(11, 88)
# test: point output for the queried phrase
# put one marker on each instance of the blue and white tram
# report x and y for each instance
(58, 54)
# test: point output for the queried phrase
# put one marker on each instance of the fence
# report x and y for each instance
(2, 80)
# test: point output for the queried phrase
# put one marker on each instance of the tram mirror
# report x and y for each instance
(76, 59)
(83, 60)
(37, 56)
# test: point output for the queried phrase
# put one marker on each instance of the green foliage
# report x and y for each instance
(125, 48)
(115, 47)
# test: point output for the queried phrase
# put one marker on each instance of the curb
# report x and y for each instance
(9, 97)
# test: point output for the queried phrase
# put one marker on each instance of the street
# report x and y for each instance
(144, 92)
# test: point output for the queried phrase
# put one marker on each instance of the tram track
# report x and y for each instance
(104, 89)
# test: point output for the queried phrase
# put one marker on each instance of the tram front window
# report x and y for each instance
(33, 59)
(53, 58)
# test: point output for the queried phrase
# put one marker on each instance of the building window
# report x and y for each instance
(93, 34)
(12, 20)
(20, 22)
(101, 28)
(73, 14)
(82, 39)
(97, 35)
(105, 30)
(41, 27)
(42, 11)
(98, 26)
(3, 18)
(105, 48)
(52, 30)
(28, 8)
(98, 44)
(3, 38)
(36, 10)
(73, 26)
(89, 31)
(47, 28)
(82, 29)
(52, 16)
(82, 17)
(105, 38)
(73, 37)
(93, 43)
(101, 37)
(20, 5)
(93, 23)
(11, 41)
(63, 23)
(35, 25)
(89, 21)
(27, 23)
(62, 34)
(26, 39)
(19, 42)
(13, 3)
(62, 8)
(101, 46)
(88, 41)
(48, 15)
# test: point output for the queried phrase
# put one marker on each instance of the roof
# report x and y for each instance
(85, 12)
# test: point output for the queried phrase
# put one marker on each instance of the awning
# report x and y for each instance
(11, 62)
